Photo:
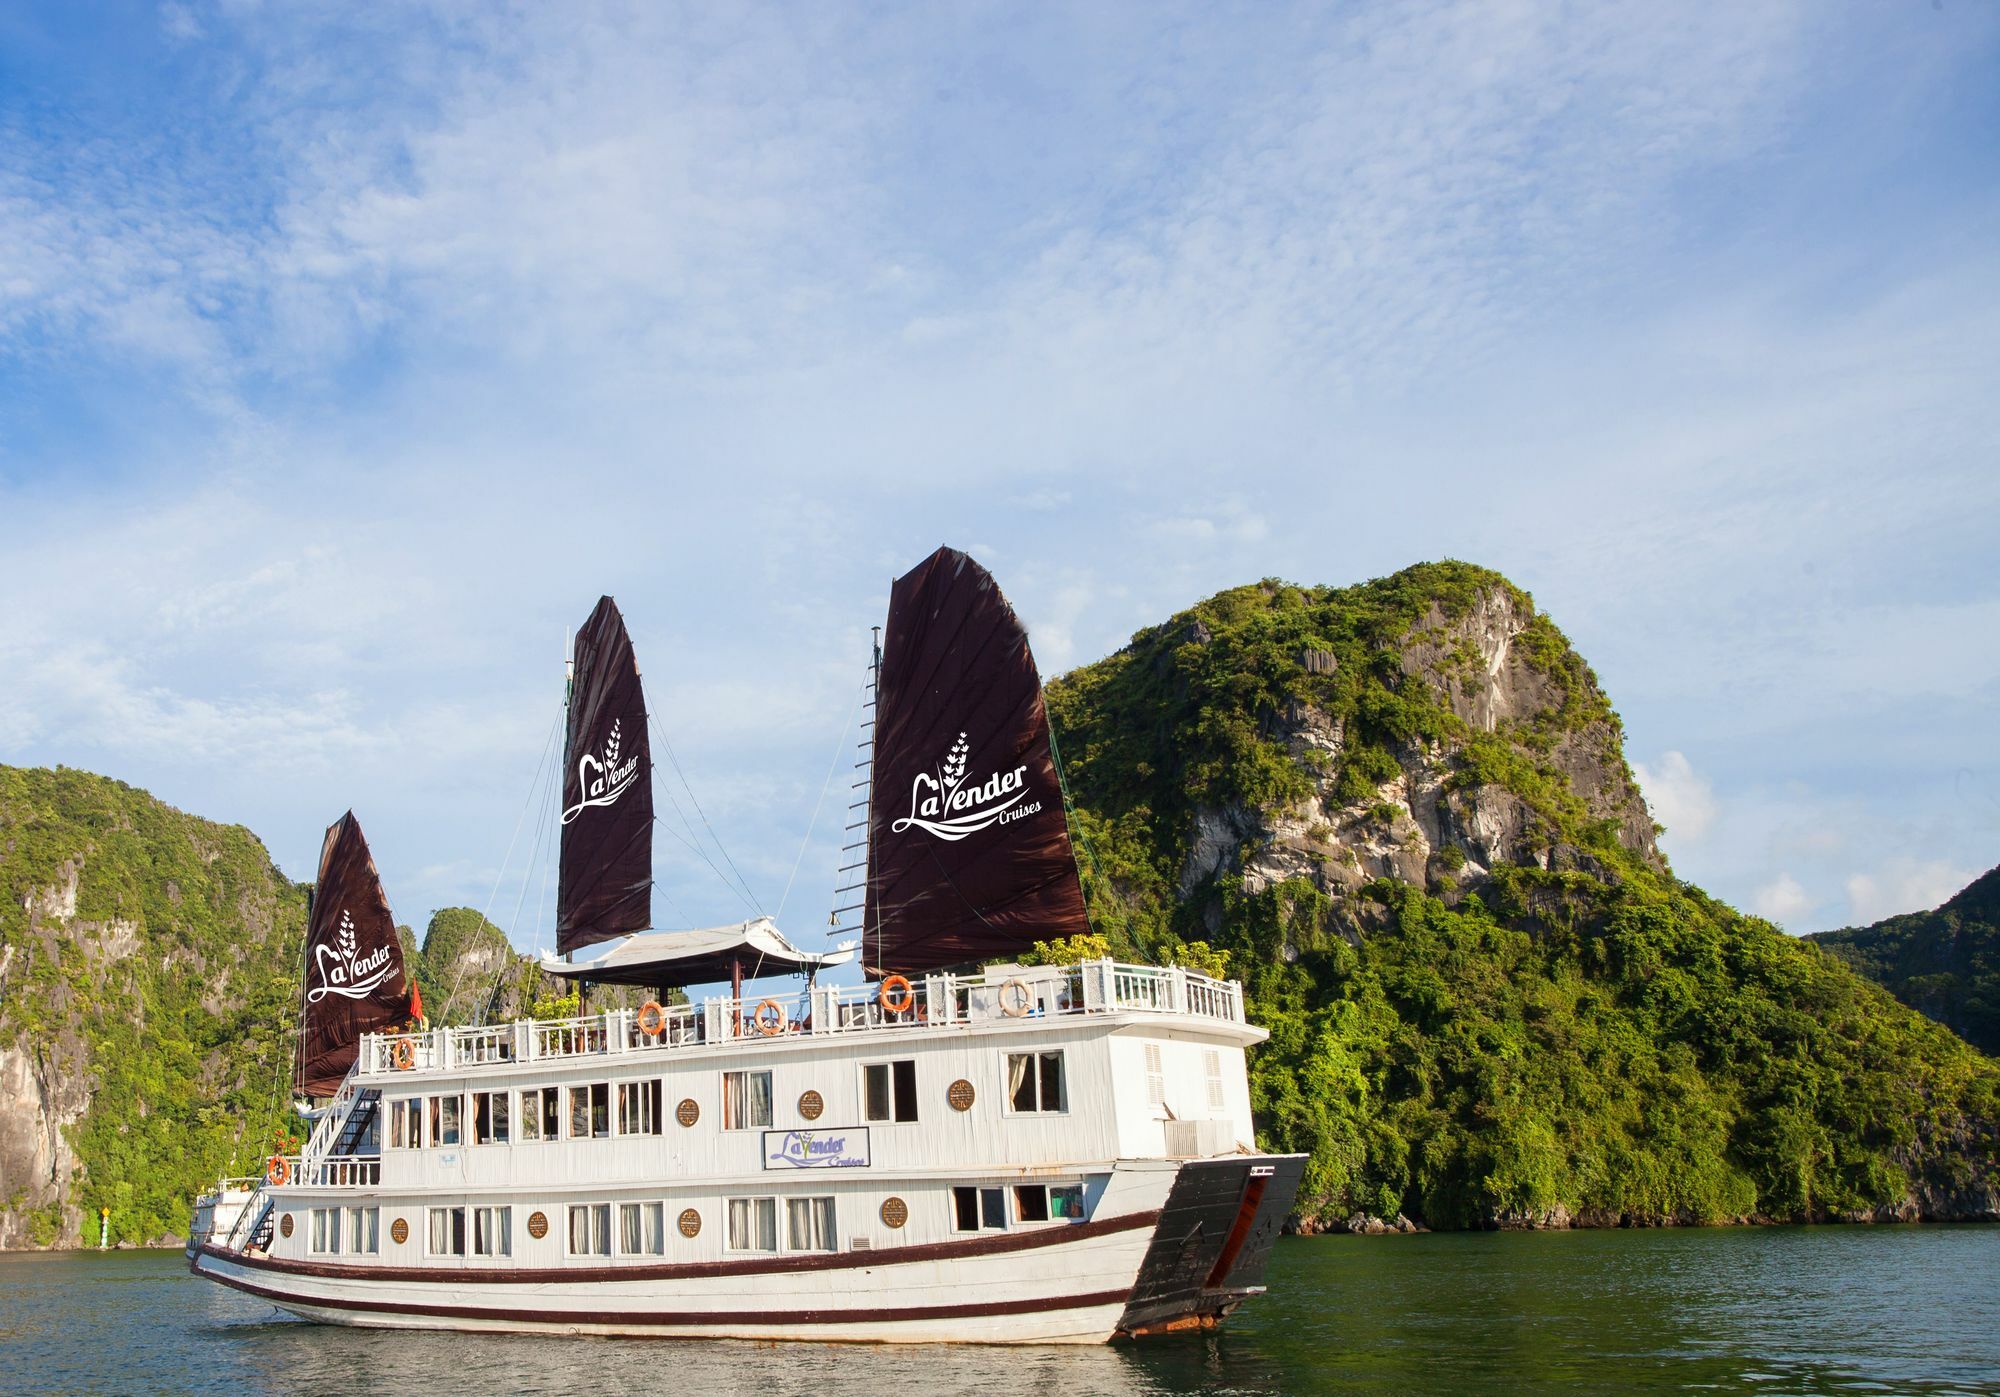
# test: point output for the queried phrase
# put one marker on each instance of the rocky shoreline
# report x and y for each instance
(1561, 1219)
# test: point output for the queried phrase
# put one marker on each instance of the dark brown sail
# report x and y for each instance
(969, 849)
(606, 888)
(354, 982)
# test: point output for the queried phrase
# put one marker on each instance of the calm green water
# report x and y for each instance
(1774, 1310)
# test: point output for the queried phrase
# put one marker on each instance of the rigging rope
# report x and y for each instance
(831, 767)
(740, 887)
(444, 1015)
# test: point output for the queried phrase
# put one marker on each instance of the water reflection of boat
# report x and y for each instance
(964, 1149)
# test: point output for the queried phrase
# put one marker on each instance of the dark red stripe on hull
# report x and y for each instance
(696, 1270)
(708, 1319)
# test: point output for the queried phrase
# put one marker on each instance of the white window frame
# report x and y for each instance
(588, 1091)
(456, 1233)
(646, 1095)
(832, 1229)
(659, 1212)
(406, 1123)
(326, 1231)
(599, 1213)
(364, 1225)
(434, 1120)
(890, 1065)
(735, 1093)
(1218, 1101)
(523, 1114)
(980, 1193)
(755, 1202)
(1007, 1081)
(469, 1129)
(503, 1213)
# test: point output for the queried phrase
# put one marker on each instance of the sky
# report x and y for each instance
(349, 353)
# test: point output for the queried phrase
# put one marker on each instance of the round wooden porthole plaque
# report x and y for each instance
(538, 1225)
(895, 1212)
(687, 1113)
(811, 1105)
(960, 1094)
(399, 1231)
(690, 1223)
(285, 1224)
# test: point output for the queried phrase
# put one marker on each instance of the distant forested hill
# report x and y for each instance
(148, 985)
(1404, 810)
(149, 982)
(1944, 963)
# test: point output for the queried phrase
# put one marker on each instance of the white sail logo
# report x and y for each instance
(344, 972)
(600, 782)
(950, 808)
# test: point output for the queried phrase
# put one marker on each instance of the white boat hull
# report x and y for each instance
(1184, 1261)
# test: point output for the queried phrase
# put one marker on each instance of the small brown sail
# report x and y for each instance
(354, 978)
(969, 849)
(606, 886)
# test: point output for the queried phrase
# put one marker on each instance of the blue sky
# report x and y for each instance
(348, 353)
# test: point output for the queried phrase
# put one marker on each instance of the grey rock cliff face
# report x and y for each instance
(1422, 826)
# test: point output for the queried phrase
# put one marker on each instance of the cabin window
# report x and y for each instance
(753, 1224)
(406, 1123)
(1156, 1077)
(447, 1232)
(1213, 1062)
(746, 1103)
(362, 1236)
(445, 1114)
(590, 1229)
(889, 1090)
(809, 1224)
(489, 1118)
(1048, 1202)
(639, 1107)
(492, 1231)
(642, 1228)
(1035, 1083)
(326, 1229)
(979, 1209)
(590, 1111)
(541, 1113)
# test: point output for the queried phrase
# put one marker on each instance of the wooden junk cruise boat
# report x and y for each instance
(962, 1148)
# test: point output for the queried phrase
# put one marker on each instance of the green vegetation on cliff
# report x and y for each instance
(1944, 963)
(148, 971)
(1403, 809)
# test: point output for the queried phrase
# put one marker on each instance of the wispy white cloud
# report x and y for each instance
(1782, 900)
(1679, 796)
(430, 324)
(1906, 885)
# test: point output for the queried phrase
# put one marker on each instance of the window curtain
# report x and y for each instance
(810, 1222)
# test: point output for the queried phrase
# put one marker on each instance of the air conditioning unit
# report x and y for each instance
(1199, 1139)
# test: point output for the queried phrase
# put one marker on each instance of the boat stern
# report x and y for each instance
(1212, 1242)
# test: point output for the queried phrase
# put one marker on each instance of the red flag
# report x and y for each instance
(416, 1003)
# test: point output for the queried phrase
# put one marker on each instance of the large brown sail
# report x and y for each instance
(969, 850)
(606, 886)
(354, 980)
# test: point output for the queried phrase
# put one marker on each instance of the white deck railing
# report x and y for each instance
(1038, 993)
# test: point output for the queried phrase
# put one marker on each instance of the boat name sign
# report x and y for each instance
(817, 1149)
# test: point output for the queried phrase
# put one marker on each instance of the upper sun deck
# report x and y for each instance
(998, 997)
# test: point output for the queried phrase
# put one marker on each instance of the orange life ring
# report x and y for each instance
(278, 1172)
(404, 1054)
(652, 1019)
(896, 996)
(774, 1025)
(1018, 1006)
